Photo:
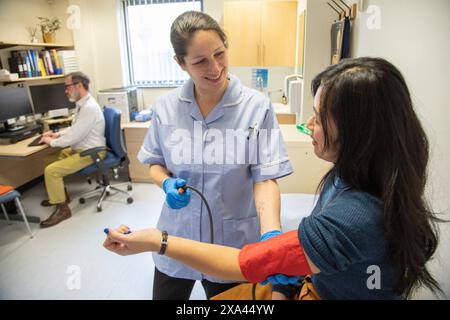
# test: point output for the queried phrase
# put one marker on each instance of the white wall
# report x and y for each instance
(414, 36)
(317, 56)
(97, 43)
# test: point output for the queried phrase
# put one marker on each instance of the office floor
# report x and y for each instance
(46, 267)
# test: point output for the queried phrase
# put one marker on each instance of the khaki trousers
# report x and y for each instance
(59, 165)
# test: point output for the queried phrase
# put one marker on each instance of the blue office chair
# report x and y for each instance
(116, 156)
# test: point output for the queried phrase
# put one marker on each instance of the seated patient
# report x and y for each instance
(371, 233)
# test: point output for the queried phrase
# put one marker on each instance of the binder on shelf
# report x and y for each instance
(30, 60)
(48, 62)
(42, 68)
(35, 55)
(17, 63)
(26, 64)
(13, 65)
(57, 64)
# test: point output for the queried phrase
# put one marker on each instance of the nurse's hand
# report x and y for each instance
(277, 278)
(124, 242)
(174, 198)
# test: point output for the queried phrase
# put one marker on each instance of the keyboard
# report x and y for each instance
(35, 142)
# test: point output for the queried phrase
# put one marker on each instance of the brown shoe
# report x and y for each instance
(46, 203)
(61, 213)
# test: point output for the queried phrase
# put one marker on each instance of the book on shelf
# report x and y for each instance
(35, 63)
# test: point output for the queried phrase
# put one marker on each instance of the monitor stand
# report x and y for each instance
(51, 123)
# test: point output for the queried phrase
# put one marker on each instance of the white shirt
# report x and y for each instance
(88, 127)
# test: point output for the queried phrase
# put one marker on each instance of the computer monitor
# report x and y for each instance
(49, 97)
(14, 102)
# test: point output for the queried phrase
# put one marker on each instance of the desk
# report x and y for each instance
(20, 164)
(308, 169)
(284, 115)
(134, 137)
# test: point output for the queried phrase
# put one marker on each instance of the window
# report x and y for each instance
(147, 30)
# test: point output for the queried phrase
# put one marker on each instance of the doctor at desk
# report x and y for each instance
(87, 131)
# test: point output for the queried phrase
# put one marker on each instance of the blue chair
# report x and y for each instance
(116, 156)
(14, 195)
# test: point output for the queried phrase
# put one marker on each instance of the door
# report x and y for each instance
(279, 26)
(242, 24)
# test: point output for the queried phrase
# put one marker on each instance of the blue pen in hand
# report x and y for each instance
(106, 231)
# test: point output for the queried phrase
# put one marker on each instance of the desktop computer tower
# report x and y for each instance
(124, 99)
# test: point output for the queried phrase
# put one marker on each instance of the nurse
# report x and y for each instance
(224, 140)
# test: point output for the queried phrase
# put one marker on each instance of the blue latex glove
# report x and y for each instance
(174, 199)
(277, 278)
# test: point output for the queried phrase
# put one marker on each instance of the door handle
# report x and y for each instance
(264, 55)
(258, 48)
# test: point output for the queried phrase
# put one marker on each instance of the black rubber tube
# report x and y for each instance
(211, 226)
(211, 223)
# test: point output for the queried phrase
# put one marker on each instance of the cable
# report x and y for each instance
(211, 223)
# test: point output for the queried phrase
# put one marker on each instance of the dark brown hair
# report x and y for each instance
(383, 150)
(79, 77)
(184, 27)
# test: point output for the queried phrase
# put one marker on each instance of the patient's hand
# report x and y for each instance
(124, 242)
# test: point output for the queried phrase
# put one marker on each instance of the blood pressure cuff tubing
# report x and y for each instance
(281, 254)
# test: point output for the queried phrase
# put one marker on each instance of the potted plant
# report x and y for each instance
(48, 28)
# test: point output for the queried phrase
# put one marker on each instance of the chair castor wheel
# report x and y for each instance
(129, 200)
(99, 209)
(82, 200)
(129, 187)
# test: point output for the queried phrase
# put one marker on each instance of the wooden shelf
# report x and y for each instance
(4, 45)
(35, 78)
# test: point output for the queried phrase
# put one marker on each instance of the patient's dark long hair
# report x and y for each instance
(383, 150)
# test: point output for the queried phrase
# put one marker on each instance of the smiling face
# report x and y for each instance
(206, 62)
(315, 125)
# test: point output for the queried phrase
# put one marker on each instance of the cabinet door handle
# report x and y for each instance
(264, 55)
(258, 47)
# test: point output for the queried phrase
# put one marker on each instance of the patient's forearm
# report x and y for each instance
(216, 260)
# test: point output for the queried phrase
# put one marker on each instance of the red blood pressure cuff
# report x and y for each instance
(281, 254)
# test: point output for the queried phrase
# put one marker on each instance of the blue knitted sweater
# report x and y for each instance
(344, 238)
